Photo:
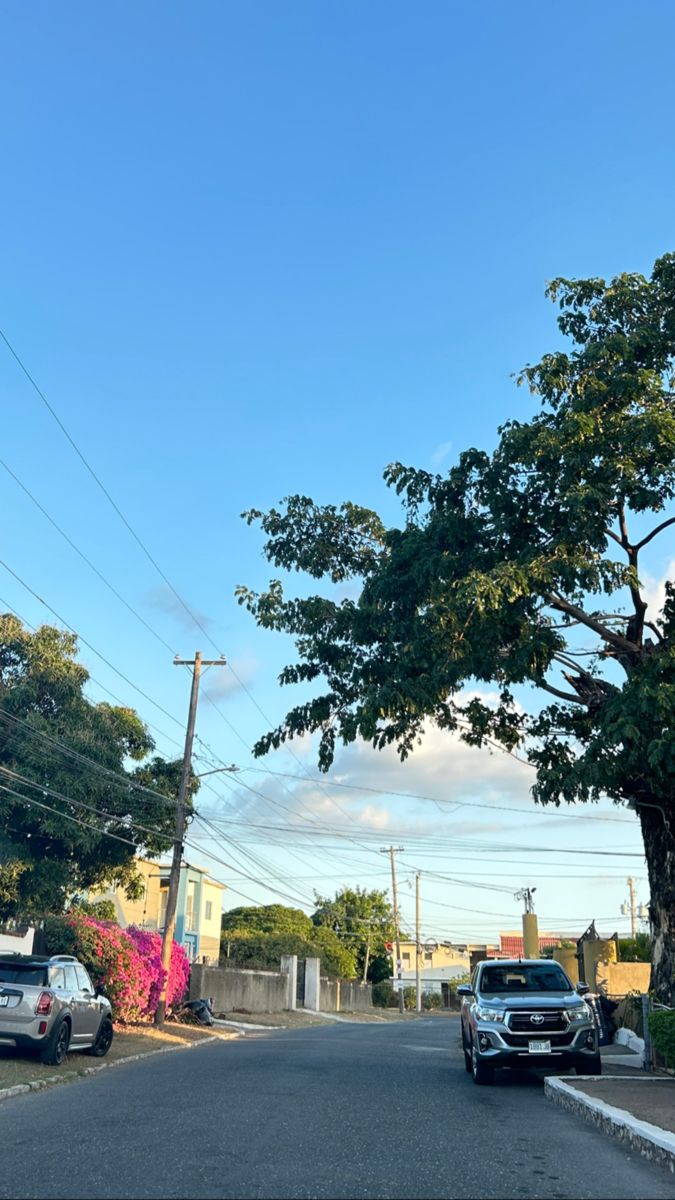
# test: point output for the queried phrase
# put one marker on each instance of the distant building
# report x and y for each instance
(440, 962)
(511, 943)
(198, 909)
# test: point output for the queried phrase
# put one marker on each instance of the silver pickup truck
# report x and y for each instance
(526, 1013)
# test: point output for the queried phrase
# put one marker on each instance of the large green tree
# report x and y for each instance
(71, 815)
(365, 921)
(260, 935)
(521, 566)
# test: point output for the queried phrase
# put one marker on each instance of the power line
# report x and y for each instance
(358, 787)
(87, 560)
(88, 467)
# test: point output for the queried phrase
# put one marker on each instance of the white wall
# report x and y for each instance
(11, 944)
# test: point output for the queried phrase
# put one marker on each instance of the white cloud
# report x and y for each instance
(654, 591)
(221, 683)
(440, 453)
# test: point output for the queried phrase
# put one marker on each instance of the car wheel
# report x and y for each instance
(480, 1073)
(103, 1041)
(592, 1066)
(57, 1047)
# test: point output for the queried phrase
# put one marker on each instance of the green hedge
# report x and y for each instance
(662, 1029)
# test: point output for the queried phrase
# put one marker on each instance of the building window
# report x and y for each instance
(428, 956)
(406, 957)
(208, 910)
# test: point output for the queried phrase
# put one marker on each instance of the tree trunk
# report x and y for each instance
(660, 854)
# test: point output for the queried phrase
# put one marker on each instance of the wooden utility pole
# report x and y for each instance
(418, 948)
(397, 925)
(181, 819)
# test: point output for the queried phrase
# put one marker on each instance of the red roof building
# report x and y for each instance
(511, 944)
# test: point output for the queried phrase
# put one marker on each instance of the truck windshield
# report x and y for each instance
(544, 978)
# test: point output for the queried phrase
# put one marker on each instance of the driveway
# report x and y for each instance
(346, 1111)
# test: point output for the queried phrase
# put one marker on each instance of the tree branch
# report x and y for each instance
(557, 692)
(612, 534)
(613, 639)
(659, 528)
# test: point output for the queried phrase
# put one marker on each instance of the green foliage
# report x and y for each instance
(257, 937)
(662, 1029)
(267, 918)
(518, 566)
(637, 949)
(365, 922)
(410, 999)
(384, 995)
(102, 910)
(52, 848)
(431, 1000)
(458, 981)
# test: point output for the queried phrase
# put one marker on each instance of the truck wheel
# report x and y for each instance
(57, 1047)
(481, 1074)
(467, 1057)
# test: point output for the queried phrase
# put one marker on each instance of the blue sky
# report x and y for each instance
(258, 249)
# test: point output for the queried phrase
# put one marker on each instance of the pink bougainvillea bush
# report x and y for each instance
(149, 945)
(127, 964)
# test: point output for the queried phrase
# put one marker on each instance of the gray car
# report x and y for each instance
(526, 1013)
(50, 1006)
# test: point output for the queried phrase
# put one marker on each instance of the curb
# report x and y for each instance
(651, 1141)
(38, 1085)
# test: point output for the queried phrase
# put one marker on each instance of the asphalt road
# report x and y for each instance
(347, 1111)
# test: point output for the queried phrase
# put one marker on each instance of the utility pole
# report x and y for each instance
(418, 981)
(633, 910)
(391, 851)
(181, 819)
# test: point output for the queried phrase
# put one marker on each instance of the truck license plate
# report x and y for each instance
(539, 1047)
(4, 1001)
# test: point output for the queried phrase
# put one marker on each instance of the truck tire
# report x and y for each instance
(480, 1073)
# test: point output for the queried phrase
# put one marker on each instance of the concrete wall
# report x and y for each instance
(619, 978)
(345, 995)
(249, 991)
(274, 991)
(355, 997)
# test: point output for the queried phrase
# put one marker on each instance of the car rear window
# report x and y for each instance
(30, 976)
(497, 980)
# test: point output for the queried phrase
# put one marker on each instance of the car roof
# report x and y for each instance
(517, 962)
(36, 960)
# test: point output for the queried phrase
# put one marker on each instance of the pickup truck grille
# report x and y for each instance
(536, 1021)
(521, 1039)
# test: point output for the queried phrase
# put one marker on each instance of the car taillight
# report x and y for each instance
(44, 1004)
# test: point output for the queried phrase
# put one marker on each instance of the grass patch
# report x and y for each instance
(17, 1067)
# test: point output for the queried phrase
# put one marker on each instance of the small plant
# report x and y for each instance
(662, 1029)
(384, 995)
(431, 1000)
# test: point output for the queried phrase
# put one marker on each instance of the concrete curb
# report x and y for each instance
(38, 1085)
(651, 1141)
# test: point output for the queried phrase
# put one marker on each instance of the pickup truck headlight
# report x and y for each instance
(489, 1014)
(580, 1012)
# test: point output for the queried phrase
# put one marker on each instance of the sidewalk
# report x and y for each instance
(637, 1108)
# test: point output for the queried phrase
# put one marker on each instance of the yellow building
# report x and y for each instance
(198, 909)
